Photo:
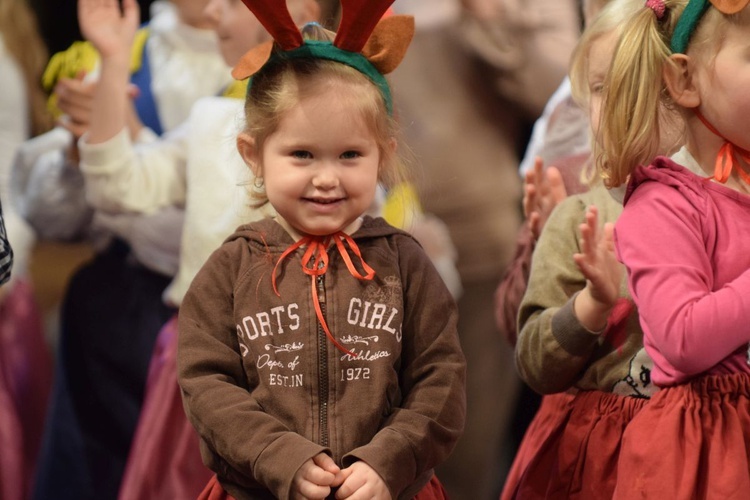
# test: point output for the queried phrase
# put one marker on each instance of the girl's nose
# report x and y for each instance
(325, 177)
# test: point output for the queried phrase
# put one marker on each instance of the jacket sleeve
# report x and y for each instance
(553, 347)
(692, 324)
(513, 285)
(422, 432)
(121, 177)
(217, 397)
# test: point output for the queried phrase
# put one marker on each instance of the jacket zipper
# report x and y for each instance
(322, 366)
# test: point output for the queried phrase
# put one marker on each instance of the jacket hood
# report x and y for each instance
(666, 171)
(263, 231)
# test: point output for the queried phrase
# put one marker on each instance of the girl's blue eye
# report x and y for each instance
(350, 155)
(302, 155)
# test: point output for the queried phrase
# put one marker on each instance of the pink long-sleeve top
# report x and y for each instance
(686, 244)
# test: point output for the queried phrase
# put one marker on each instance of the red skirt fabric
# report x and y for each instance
(541, 436)
(25, 383)
(578, 459)
(432, 491)
(164, 460)
(214, 491)
(691, 441)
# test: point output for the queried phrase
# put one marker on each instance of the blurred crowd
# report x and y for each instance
(90, 289)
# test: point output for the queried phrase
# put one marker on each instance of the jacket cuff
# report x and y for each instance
(93, 156)
(276, 466)
(573, 337)
(390, 455)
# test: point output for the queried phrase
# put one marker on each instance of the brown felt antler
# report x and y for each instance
(364, 41)
(358, 20)
(274, 16)
(387, 45)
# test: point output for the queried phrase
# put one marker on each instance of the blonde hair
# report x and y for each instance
(20, 33)
(609, 20)
(282, 84)
(636, 97)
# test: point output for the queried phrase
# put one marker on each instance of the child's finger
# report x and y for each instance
(529, 199)
(535, 223)
(309, 490)
(320, 476)
(609, 236)
(131, 11)
(556, 185)
(326, 463)
(594, 212)
(350, 486)
(538, 167)
(586, 241)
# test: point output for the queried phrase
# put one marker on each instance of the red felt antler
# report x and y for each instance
(358, 19)
(274, 16)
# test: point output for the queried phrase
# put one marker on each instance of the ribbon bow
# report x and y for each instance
(727, 157)
(315, 263)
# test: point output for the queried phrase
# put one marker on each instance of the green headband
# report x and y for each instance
(686, 24)
(317, 49)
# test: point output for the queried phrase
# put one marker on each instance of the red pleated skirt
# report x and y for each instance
(544, 429)
(573, 451)
(164, 459)
(691, 441)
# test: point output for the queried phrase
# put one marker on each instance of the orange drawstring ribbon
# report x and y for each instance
(315, 263)
(727, 157)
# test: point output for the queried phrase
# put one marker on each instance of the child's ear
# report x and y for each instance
(249, 153)
(679, 78)
(393, 144)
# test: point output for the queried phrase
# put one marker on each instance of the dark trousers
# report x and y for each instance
(111, 315)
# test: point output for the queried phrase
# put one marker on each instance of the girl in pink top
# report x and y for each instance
(683, 236)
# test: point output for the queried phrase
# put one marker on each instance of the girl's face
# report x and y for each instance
(600, 57)
(191, 12)
(723, 86)
(320, 167)
(237, 28)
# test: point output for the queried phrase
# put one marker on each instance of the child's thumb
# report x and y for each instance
(326, 463)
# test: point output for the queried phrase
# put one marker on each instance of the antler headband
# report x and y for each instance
(692, 15)
(368, 44)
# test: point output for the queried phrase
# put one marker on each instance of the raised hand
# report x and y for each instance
(598, 263)
(74, 98)
(110, 28)
(543, 190)
(315, 478)
(362, 482)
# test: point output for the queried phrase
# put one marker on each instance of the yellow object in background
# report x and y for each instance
(402, 206)
(81, 57)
